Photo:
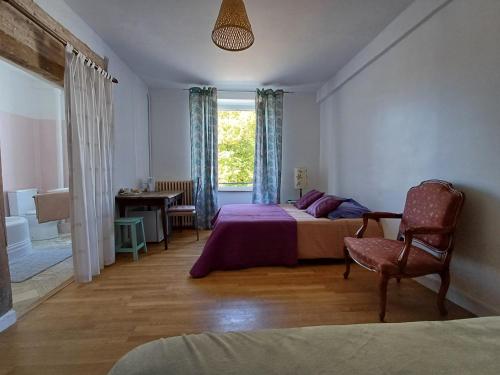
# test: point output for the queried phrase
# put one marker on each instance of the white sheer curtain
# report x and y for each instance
(89, 117)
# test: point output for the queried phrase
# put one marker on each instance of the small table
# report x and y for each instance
(161, 199)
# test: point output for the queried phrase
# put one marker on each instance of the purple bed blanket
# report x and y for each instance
(248, 235)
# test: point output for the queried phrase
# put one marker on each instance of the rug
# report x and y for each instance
(36, 261)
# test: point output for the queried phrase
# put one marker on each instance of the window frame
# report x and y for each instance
(237, 105)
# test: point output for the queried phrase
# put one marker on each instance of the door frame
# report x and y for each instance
(7, 314)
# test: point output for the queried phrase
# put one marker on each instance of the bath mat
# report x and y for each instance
(38, 260)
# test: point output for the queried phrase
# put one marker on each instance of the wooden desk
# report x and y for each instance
(161, 199)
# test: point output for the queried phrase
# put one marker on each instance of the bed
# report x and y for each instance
(252, 235)
(469, 346)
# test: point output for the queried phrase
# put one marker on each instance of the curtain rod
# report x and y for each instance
(49, 31)
(250, 91)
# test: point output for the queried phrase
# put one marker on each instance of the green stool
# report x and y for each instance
(133, 246)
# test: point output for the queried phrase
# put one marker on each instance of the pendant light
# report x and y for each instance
(232, 30)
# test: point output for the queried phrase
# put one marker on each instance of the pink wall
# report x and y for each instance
(49, 154)
(29, 150)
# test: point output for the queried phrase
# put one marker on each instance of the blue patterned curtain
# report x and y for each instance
(203, 116)
(268, 134)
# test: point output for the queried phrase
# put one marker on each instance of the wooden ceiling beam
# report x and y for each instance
(26, 44)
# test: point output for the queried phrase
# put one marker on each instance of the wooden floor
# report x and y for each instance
(84, 329)
(28, 293)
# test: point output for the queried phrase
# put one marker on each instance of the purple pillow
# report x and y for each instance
(349, 209)
(324, 206)
(308, 199)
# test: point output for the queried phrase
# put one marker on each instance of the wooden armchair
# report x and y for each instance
(424, 243)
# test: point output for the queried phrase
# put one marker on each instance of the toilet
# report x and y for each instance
(21, 203)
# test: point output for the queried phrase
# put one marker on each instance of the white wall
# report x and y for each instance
(426, 107)
(131, 155)
(300, 141)
(170, 134)
(171, 155)
(28, 95)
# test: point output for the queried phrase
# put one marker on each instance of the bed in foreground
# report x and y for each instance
(469, 346)
(251, 235)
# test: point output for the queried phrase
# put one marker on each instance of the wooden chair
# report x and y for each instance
(424, 243)
(188, 210)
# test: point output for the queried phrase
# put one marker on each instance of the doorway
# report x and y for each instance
(34, 163)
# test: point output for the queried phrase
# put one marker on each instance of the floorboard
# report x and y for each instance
(84, 329)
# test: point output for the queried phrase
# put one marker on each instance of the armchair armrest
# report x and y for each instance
(410, 232)
(382, 215)
(375, 216)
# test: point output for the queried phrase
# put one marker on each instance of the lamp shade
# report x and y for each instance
(300, 178)
(232, 30)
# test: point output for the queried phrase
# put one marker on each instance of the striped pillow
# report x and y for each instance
(308, 199)
(324, 206)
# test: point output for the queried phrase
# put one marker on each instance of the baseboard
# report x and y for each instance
(7, 319)
(457, 296)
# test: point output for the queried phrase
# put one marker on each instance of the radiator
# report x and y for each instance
(187, 198)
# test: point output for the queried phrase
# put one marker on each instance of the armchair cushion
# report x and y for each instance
(431, 204)
(182, 208)
(380, 254)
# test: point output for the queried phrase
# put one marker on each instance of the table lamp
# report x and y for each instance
(300, 179)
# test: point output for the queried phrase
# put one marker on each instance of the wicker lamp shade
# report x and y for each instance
(232, 30)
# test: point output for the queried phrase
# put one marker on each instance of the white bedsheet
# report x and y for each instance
(470, 346)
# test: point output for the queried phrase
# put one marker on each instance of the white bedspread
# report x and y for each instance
(470, 346)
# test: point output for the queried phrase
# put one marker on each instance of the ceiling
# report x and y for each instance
(298, 43)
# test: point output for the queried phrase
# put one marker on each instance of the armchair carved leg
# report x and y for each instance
(347, 263)
(445, 283)
(383, 295)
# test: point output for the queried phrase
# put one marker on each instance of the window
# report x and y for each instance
(236, 144)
